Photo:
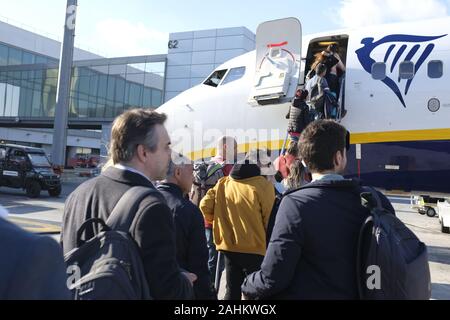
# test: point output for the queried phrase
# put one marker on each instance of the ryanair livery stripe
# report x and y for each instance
(355, 138)
(400, 136)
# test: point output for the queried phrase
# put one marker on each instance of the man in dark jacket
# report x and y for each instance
(31, 266)
(312, 252)
(140, 150)
(192, 252)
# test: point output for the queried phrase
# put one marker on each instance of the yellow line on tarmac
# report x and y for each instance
(35, 226)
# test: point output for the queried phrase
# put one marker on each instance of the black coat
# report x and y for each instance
(192, 252)
(153, 230)
(31, 266)
(298, 116)
(312, 252)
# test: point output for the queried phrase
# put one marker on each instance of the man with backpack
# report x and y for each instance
(318, 89)
(318, 231)
(140, 151)
(206, 175)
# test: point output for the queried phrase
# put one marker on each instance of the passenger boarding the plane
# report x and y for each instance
(318, 87)
(335, 67)
(298, 115)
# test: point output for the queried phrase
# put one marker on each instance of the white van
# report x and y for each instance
(444, 215)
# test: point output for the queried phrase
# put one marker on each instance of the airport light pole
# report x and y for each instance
(63, 90)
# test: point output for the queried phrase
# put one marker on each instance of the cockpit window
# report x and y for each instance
(234, 74)
(215, 78)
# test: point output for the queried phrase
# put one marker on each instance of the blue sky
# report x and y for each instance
(134, 27)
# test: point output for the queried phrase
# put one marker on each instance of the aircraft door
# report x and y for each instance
(278, 61)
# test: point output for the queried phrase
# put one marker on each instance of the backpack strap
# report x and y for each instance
(124, 212)
(371, 198)
(372, 202)
(89, 223)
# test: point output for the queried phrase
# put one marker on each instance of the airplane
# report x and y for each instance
(395, 90)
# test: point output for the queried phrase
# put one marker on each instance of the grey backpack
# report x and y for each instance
(392, 263)
(109, 265)
(206, 176)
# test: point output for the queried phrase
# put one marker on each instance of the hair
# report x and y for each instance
(321, 68)
(132, 128)
(318, 59)
(295, 178)
(302, 94)
(319, 143)
(293, 148)
(177, 160)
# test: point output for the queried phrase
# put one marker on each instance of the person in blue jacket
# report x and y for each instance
(31, 266)
(312, 251)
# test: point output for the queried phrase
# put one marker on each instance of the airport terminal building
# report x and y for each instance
(101, 88)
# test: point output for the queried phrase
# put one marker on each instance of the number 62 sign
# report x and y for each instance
(173, 44)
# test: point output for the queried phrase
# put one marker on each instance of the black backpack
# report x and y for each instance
(388, 247)
(110, 264)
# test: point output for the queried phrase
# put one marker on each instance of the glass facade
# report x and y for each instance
(103, 88)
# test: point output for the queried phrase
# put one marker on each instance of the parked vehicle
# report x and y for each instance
(428, 205)
(28, 168)
(83, 160)
(444, 215)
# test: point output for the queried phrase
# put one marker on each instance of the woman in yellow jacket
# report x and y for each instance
(239, 208)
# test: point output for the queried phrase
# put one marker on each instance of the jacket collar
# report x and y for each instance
(171, 188)
(245, 171)
(350, 184)
(329, 177)
(127, 177)
(344, 183)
